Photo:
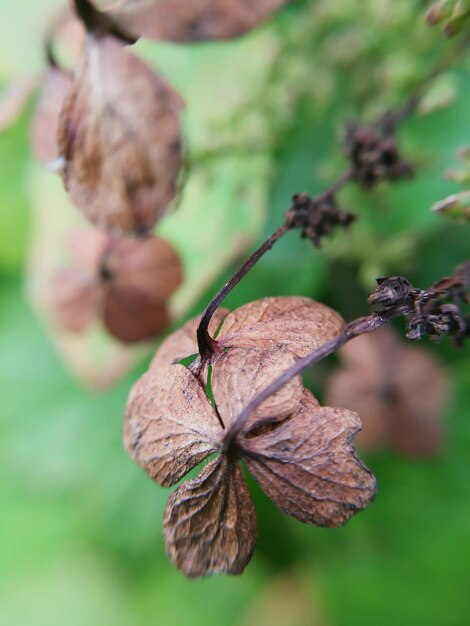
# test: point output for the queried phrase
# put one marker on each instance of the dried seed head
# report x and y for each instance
(317, 218)
(125, 283)
(198, 20)
(119, 137)
(300, 453)
(400, 393)
(374, 156)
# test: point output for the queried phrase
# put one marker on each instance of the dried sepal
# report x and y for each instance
(198, 20)
(300, 324)
(240, 374)
(210, 522)
(170, 426)
(308, 466)
(119, 137)
(76, 296)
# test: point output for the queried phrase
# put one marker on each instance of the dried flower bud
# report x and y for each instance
(119, 137)
(300, 453)
(125, 283)
(317, 218)
(400, 393)
(374, 155)
(198, 20)
(392, 292)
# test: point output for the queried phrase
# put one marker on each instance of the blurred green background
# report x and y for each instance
(80, 525)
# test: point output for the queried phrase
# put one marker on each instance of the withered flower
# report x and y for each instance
(399, 391)
(125, 283)
(301, 454)
(198, 20)
(119, 138)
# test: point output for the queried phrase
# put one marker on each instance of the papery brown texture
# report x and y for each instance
(197, 20)
(119, 136)
(300, 324)
(57, 84)
(241, 374)
(170, 426)
(399, 391)
(210, 522)
(125, 283)
(308, 467)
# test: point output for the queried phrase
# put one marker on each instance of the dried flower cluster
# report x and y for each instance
(435, 312)
(399, 391)
(301, 454)
(317, 218)
(123, 282)
(374, 156)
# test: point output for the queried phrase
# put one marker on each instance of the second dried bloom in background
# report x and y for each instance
(399, 391)
(123, 282)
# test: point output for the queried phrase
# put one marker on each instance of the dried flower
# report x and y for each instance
(123, 282)
(119, 138)
(198, 20)
(399, 391)
(300, 453)
(374, 155)
(317, 218)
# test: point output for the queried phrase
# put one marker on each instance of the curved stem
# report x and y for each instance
(207, 345)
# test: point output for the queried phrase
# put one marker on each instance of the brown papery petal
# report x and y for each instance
(308, 466)
(75, 299)
(45, 122)
(149, 265)
(132, 316)
(119, 135)
(240, 374)
(300, 324)
(210, 522)
(170, 425)
(183, 343)
(194, 20)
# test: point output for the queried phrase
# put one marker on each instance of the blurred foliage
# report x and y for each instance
(80, 526)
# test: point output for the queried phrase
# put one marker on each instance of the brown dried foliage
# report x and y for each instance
(198, 20)
(300, 453)
(123, 282)
(119, 136)
(399, 391)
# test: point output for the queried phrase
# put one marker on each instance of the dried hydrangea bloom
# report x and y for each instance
(301, 454)
(198, 20)
(125, 283)
(399, 391)
(120, 139)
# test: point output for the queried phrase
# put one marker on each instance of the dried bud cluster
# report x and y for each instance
(301, 454)
(435, 312)
(125, 283)
(374, 155)
(317, 218)
(399, 391)
(198, 20)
